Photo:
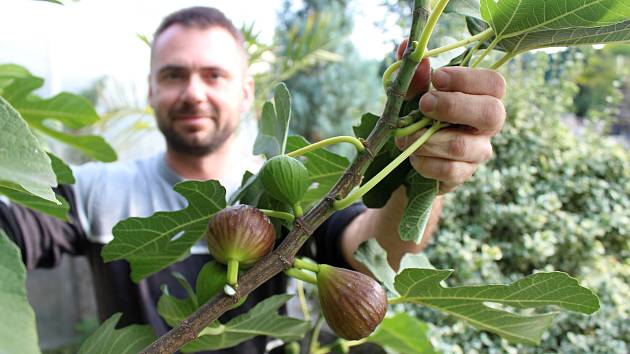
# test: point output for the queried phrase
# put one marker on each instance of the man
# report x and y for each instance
(199, 87)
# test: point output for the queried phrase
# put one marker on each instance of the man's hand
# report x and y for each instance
(468, 99)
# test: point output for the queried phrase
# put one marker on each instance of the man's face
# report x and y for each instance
(198, 87)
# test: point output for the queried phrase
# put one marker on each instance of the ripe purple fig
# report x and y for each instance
(353, 303)
(240, 233)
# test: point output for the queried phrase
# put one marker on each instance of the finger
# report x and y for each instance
(454, 144)
(484, 113)
(471, 81)
(448, 172)
(421, 78)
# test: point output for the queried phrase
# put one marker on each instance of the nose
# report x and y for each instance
(194, 91)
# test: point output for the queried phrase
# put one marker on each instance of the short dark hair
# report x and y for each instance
(200, 17)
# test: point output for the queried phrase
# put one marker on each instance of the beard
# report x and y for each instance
(193, 145)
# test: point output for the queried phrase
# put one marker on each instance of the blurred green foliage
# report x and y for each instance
(606, 70)
(549, 200)
(329, 97)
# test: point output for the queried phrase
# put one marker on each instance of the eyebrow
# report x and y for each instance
(174, 67)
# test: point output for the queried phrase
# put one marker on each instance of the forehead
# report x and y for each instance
(194, 48)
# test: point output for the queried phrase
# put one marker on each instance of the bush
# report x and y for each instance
(549, 200)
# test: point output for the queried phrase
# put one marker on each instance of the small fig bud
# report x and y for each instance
(353, 303)
(285, 178)
(240, 233)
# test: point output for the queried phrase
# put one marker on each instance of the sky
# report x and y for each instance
(72, 45)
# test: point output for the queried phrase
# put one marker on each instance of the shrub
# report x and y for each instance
(549, 200)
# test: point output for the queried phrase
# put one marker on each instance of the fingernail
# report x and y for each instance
(441, 79)
(428, 102)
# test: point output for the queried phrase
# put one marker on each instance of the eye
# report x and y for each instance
(173, 75)
(214, 75)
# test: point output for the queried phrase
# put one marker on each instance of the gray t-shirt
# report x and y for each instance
(103, 195)
(108, 193)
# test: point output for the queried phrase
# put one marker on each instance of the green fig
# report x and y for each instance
(239, 234)
(352, 302)
(285, 178)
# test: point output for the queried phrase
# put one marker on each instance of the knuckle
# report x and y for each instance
(448, 104)
(457, 147)
(448, 171)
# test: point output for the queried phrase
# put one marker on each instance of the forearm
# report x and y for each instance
(382, 224)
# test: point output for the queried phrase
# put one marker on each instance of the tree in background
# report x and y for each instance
(318, 110)
(604, 87)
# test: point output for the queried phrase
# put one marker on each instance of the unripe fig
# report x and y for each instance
(285, 178)
(240, 233)
(353, 303)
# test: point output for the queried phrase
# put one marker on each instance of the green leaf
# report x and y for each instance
(22, 160)
(13, 71)
(468, 8)
(249, 191)
(8, 72)
(522, 25)
(129, 340)
(374, 258)
(274, 125)
(19, 195)
(617, 32)
(18, 333)
(403, 333)
(422, 286)
(262, 320)
(53, 1)
(153, 243)
(20, 88)
(379, 195)
(324, 169)
(210, 281)
(421, 192)
(93, 146)
(174, 310)
(73, 111)
(62, 171)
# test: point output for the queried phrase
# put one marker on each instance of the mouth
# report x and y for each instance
(192, 117)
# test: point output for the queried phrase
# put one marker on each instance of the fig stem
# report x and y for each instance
(315, 335)
(298, 274)
(387, 75)
(340, 342)
(358, 193)
(485, 52)
(278, 214)
(303, 305)
(232, 272)
(297, 210)
(504, 59)
(302, 264)
(481, 36)
(330, 141)
(401, 132)
(410, 118)
(396, 300)
(418, 53)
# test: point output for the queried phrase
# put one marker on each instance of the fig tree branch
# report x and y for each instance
(282, 257)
